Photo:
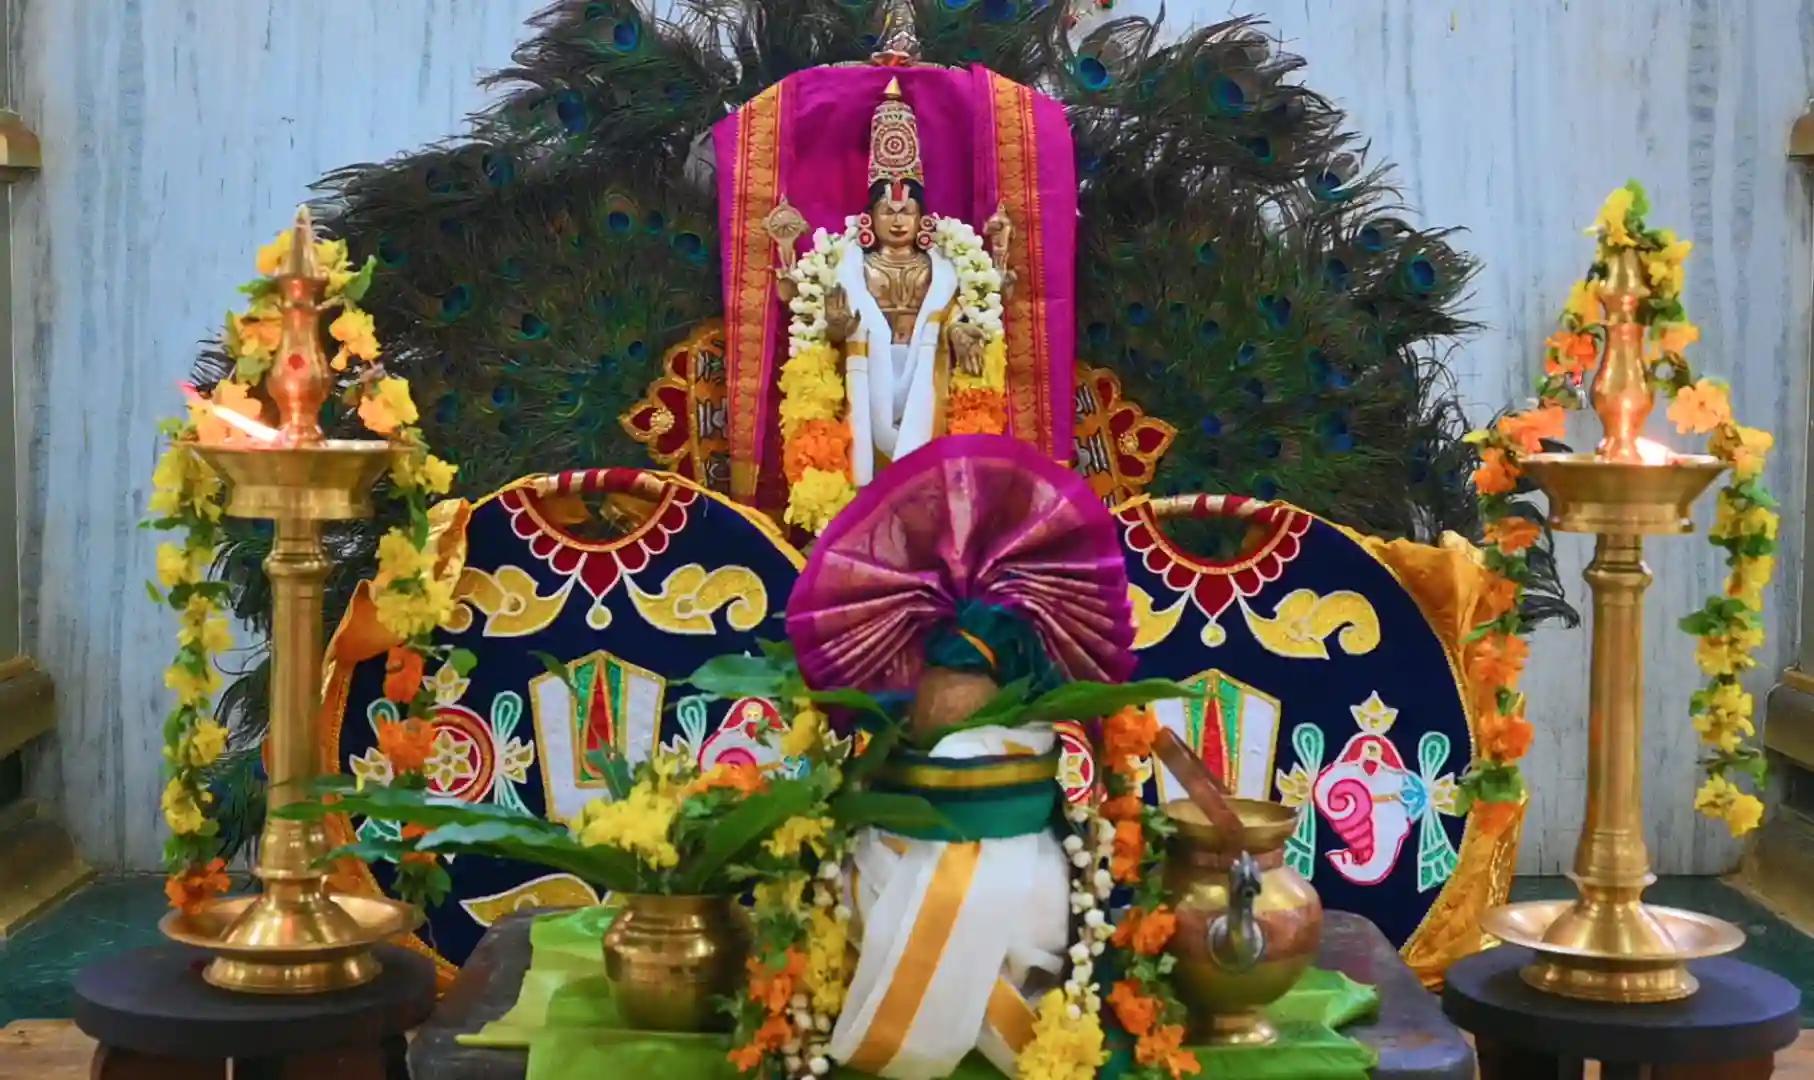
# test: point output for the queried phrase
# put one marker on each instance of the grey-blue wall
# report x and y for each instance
(178, 133)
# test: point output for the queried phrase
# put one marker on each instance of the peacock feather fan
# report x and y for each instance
(1246, 273)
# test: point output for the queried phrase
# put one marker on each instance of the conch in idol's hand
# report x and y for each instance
(968, 924)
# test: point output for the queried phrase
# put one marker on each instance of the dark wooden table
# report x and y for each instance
(155, 1019)
(1414, 1040)
(1730, 1029)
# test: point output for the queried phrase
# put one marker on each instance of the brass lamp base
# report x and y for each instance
(1623, 953)
(306, 945)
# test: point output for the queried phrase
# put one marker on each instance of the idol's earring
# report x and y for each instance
(866, 233)
(924, 239)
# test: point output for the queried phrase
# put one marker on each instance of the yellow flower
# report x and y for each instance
(182, 479)
(253, 336)
(1731, 699)
(423, 470)
(330, 255)
(1722, 654)
(782, 895)
(203, 626)
(207, 741)
(1745, 448)
(386, 406)
(803, 735)
(180, 565)
(1610, 224)
(1748, 577)
(1665, 270)
(357, 336)
(400, 559)
(796, 832)
(1061, 1048)
(995, 369)
(1721, 798)
(827, 960)
(1676, 337)
(638, 823)
(407, 613)
(271, 256)
(192, 689)
(817, 498)
(1583, 304)
(180, 809)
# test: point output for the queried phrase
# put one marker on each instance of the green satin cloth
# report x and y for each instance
(566, 1019)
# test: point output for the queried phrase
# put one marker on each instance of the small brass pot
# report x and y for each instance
(669, 957)
(1248, 925)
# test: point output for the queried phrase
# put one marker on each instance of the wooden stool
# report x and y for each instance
(155, 1019)
(1730, 1029)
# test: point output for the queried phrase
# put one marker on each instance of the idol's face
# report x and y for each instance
(896, 223)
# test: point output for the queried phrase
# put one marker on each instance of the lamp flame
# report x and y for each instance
(242, 423)
(1651, 452)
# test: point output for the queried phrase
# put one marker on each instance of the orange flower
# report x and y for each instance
(1127, 737)
(1505, 737)
(746, 1057)
(1527, 430)
(1494, 817)
(817, 444)
(773, 989)
(1155, 929)
(1569, 354)
(402, 673)
(414, 831)
(1130, 849)
(407, 744)
(1497, 659)
(1498, 597)
(744, 777)
(976, 411)
(1135, 1011)
(1122, 808)
(1700, 408)
(774, 1032)
(1513, 534)
(1164, 1047)
(1498, 473)
(192, 888)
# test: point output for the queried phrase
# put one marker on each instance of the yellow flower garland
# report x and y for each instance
(186, 500)
(1729, 626)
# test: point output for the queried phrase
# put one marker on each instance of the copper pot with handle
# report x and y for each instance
(1248, 924)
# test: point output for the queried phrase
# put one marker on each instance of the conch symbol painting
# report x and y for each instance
(1372, 800)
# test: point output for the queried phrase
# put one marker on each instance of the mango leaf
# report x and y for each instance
(744, 676)
(1088, 700)
(356, 286)
(615, 768)
(538, 842)
(749, 821)
(854, 700)
(463, 661)
(398, 804)
(897, 813)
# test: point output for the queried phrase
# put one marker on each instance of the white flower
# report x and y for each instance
(1103, 882)
(821, 1022)
(819, 1066)
(1094, 919)
(1073, 844)
(1073, 1012)
(1080, 953)
(1096, 948)
(1081, 901)
(841, 913)
(829, 871)
(1082, 970)
(794, 1064)
(1081, 860)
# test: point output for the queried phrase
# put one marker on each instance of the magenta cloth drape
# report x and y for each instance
(969, 517)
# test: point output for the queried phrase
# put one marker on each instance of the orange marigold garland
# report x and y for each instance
(1728, 627)
(1142, 1002)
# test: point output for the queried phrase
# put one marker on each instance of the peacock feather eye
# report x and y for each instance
(1098, 334)
(1138, 314)
(390, 252)
(1264, 487)
(437, 181)
(1211, 425)
(570, 110)
(689, 245)
(1277, 310)
(637, 351)
(498, 167)
(1247, 354)
(511, 270)
(503, 395)
(1000, 10)
(1255, 391)
(1092, 74)
(1206, 253)
(1208, 331)
(1226, 94)
(1336, 273)
(1420, 274)
(955, 5)
(626, 35)
(618, 222)
(655, 222)
(1260, 147)
(456, 302)
(532, 326)
(1372, 238)
(447, 408)
(1269, 446)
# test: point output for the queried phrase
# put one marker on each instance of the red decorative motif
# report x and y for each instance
(1214, 585)
(681, 417)
(1118, 445)
(473, 747)
(1076, 762)
(597, 565)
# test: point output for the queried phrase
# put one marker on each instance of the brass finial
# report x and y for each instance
(1621, 392)
(900, 47)
(892, 92)
(298, 381)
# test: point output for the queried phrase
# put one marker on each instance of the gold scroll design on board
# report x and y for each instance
(681, 417)
(691, 595)
(1153, 625)
(547, 891)
(1118, 446)
(1302, 622)
(508, 599)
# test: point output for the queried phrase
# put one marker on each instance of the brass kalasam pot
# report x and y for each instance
(1248, 925)
(669, 957)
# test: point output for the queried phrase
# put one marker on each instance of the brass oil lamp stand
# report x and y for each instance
(1607, 944)
(294, 937)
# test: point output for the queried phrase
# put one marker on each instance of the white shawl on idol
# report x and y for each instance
(952, 934)
(889, 389)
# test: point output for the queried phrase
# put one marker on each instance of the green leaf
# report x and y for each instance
(258, 287)
(743, 676)
(463, 661)
(396, 804)
(1088, 700)
(615, 768)
(156, 596)
(535, 841)
(882, 742)
(355, 288)
(740, 827)
(854, 700)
